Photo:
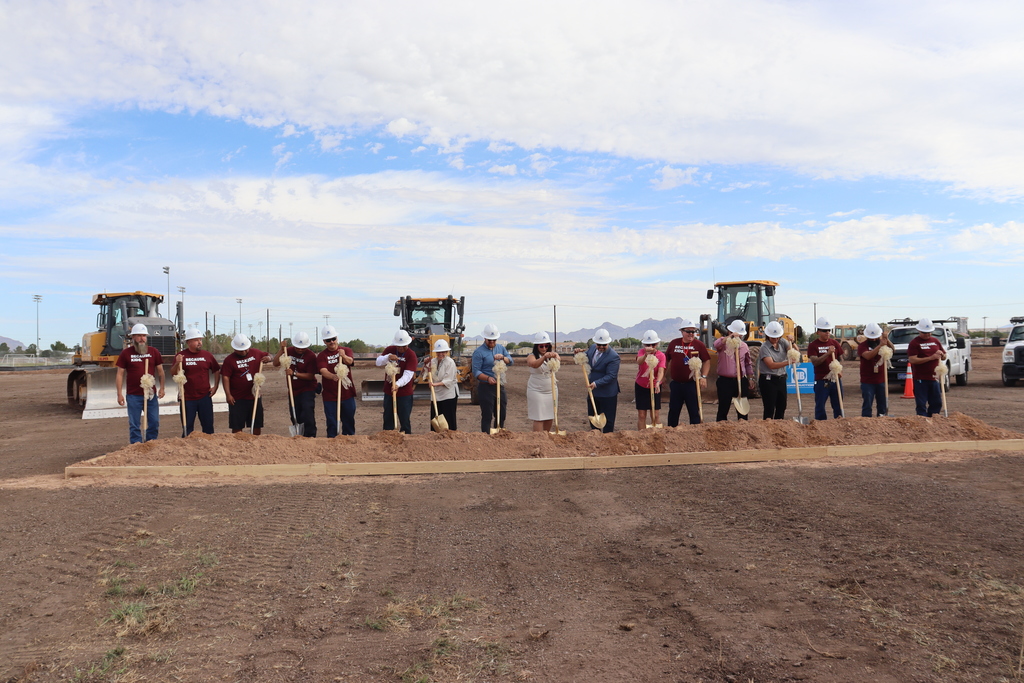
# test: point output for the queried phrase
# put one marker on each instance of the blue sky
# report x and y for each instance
(613, 161)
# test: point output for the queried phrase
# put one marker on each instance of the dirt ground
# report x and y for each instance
(898, 567)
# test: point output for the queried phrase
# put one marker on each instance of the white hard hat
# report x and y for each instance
(301, 340)
(139, 328)
(602, 337)
(873, 331)
(650, 337)
(441, 345)
(541, 338)
(925, 325)
(193, 333)
(774, 329)
(491, 331)
(687, 324)
(822, 324)
(328, 332)
(402, 338)
(240, 342)
(737, 326)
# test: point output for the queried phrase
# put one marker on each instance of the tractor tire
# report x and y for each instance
(849, 351)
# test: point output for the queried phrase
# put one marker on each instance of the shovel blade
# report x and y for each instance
(742, 406)
(495, 431)
(802, 420)
(439, 424)
(558, 432)
(296, 429)
(599, 421)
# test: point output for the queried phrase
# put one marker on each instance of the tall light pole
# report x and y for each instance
(37, 298)
(167, 272)
(984, 328)
(181, 291)
(239, 315)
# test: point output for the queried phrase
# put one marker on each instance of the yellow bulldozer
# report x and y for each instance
(427, 320)
(751, 301)
(91, 384)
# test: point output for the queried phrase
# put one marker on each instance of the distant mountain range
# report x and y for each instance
(13, 343)
(667, 329)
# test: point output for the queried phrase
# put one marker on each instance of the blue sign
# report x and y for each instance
(805, 373)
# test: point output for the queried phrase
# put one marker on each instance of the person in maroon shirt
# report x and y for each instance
(131, 366)
(872, 370)
(822, 351)
(924, 352)
(303, 371)
(197, 364)
(682, 384)
(238, 370)
(399, 352)
(327, 364)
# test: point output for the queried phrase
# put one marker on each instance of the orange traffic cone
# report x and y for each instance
(908, 388)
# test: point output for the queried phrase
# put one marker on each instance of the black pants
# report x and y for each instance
(683, 393)
(447, 408)
(486, 393)
(727, 392)
(605, 405)
(203, 407)
(240, 414)
(773, 395)
(404, 404)
(305, 412)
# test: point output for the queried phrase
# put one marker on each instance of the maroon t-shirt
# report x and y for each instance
(922, 348)
(134, 365)
(872, 370)
(679, 354)
(237, 372)
(820, 348)
(197, 368)
(303, 360)
(329, 360)
(406, 361)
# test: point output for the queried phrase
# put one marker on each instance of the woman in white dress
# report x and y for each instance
(540, 403)
(446, 383)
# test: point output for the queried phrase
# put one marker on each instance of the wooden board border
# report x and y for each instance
(536, 464)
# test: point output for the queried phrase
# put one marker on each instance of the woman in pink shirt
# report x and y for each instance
(642, 387)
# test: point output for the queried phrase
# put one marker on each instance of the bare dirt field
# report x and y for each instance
(896, 567)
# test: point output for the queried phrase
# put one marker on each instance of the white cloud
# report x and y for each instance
(844, 214)
(503, 170)
(457, 162)
(541, 164)
(496, 147)
(289, 131)
(829, 89)
(1001, 243)
(674, 177)
(374, 147)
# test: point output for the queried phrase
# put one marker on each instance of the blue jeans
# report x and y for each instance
(203, 407)
(348, 417)
(927, 397)
(134, 405)
(825, 390)
(874, 393)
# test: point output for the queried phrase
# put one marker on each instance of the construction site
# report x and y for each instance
(881, 549)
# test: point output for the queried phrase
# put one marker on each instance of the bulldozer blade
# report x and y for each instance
(92, 390)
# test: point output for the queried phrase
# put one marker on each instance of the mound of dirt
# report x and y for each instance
(245, 449)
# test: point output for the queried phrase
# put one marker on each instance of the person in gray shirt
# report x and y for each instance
(771, 369)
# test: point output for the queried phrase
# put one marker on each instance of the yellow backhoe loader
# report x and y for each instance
(751, 301)
(91, 384)
(428, 320)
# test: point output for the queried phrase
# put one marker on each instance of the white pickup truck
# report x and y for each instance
(957, 346)
(1013, 353)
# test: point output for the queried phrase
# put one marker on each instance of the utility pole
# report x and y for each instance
(239, 315)
(554, 331)
(167, 272)
(268, 330)
(984, 328)
(37, 298)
